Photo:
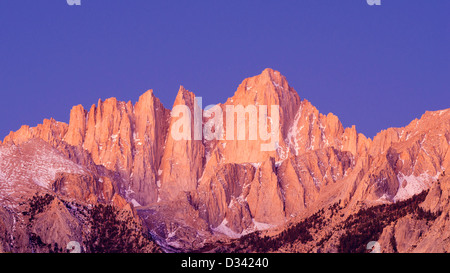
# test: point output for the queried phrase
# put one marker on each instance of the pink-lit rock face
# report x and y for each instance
(126, 155)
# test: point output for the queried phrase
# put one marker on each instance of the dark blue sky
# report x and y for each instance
(372, 66)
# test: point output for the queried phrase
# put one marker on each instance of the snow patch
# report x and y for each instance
(277, 85)
(411, 185)
(383, 198)
(442, 112)
(313, 139)
(293, 132)
(171, 234)
(223, 229)
(135, 203)
(261, 226)
(128, 192)
(23, 167)
(278, 163)
(175, 244)
(256, 165)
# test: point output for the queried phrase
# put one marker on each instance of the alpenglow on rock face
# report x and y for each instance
(188, 192)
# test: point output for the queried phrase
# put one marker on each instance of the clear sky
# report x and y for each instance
(372, 66)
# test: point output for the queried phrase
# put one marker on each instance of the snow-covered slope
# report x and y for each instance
(29, 167)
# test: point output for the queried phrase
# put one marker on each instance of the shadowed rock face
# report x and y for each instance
(125, 154)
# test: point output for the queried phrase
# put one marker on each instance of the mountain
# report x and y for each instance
(263, 164)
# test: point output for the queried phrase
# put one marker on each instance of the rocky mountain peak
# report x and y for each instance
(268, 87)
(184, 97)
